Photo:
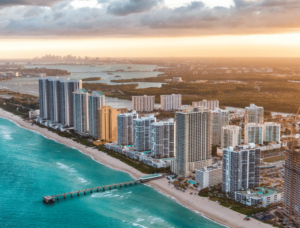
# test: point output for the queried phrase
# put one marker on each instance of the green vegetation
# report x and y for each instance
(273, 93)
(18, 104)
(165, 115)
(216, 194)
(274, 159)
(91, 79)
(142, 167)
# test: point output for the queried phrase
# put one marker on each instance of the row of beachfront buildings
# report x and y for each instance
(184, 143)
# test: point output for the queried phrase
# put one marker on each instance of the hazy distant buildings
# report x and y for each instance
(170, 102)
(163, 139)
(125, 128)
(231, 136)
(271, 132)
(254, 114)
(81, 113)
(142, 133)
(143, 103)
(96, 101)
(193, 140)
(210, 105)
(177, 79)
(220, 118)
(108, 123)
(240, 169)
(254, 133)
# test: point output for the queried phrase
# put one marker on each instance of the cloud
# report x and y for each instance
(133, 18)
(126, 7)
(6, 3)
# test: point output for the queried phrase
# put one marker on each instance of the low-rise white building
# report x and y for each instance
(34, 114)
(260, 196)
(209, 176)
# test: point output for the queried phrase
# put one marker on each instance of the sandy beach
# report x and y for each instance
(209, 209)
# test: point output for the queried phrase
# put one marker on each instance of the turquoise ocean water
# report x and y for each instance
(32, 166)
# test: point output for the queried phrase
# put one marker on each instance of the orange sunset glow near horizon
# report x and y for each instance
(150, 28)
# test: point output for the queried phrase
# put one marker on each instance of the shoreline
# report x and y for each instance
(199, 205)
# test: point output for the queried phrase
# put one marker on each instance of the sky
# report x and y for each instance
(150, 28)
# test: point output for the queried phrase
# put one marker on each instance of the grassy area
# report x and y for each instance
(246, 210)
(216, 194)
(134, 163)
(224, 204)
(274, 159)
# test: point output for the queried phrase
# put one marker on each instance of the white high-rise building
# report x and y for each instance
(254, 114)
(210, 105)
(163, 139)
(220, 118)
(193, 140)
(241, 169)
(254, 133)
(231, 136)
(142, 133)
(170, 102)
(143, 103)
(67, 88)
(54, 99)
(125, 128)
(96, 101)
(44, 98)
(81, 112)
(271, 132)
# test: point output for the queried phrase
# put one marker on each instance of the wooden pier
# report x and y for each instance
(51, 199)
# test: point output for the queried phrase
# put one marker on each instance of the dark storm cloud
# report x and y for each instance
(130, 18)
(125, 7)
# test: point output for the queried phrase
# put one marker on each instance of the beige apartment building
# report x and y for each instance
(170, 102)
(210, 105)
(108, 123)
(143, 103)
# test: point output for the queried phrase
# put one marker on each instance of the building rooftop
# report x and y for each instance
(97, 93)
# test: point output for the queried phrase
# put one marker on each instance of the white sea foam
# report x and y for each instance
(139, 225)
(82, 180)
(155, 220)
(139, 220)
(7, 136)
(67, 168)
(102, 195)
